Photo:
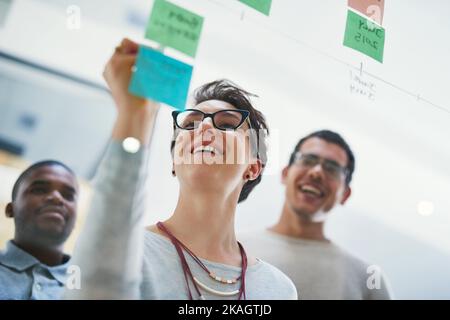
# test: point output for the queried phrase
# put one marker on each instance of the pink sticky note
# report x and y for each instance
(373, 9)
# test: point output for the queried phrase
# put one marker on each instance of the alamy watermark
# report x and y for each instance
(73, 281)
(230, 147)
(73, 20)
(375, 277)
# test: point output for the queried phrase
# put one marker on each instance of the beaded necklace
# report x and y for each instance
(179, 246)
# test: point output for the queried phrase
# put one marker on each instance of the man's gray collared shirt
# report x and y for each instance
(22, 276)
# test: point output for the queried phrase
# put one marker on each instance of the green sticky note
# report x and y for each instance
(365, 36)
(260, 5)
(175, 27)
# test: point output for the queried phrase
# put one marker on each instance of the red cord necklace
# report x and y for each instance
(179, 246)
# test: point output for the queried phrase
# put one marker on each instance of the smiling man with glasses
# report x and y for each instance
(317, 179)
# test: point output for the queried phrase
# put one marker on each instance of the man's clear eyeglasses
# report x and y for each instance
(330, 167)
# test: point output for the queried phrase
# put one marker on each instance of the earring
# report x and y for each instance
(173, 173)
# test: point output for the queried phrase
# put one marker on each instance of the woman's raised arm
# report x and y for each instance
(109, 250)
(135, 115)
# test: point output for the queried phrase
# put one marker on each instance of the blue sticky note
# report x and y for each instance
(160, 78)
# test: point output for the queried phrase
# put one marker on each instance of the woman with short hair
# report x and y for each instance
(194, 254)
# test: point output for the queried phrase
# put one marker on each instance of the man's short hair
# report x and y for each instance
(34, 167)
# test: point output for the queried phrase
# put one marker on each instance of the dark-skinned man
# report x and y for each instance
(43, 206)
